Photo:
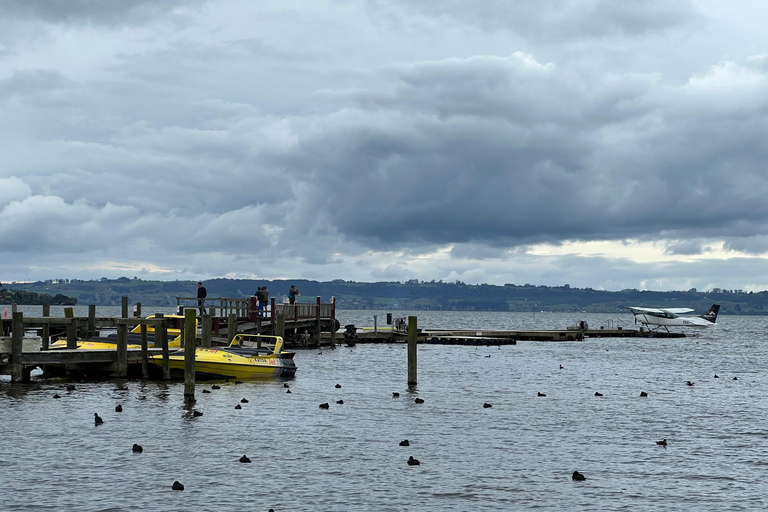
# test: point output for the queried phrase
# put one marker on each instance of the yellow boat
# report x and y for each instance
(248, 356)
(175, 322)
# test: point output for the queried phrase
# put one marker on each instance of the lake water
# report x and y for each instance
(517, 455)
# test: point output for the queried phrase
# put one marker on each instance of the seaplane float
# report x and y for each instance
(656, 318)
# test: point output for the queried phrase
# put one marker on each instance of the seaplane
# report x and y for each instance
(670, 317)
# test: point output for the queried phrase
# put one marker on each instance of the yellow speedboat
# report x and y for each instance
(134, 337)
(248, 356)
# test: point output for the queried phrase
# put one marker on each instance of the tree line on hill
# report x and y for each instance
(8, 296)
(393, 295)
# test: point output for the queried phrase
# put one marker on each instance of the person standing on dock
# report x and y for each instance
(202, 293)
(292, 293)
(265, 295)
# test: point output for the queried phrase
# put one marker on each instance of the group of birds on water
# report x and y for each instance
(177, 486)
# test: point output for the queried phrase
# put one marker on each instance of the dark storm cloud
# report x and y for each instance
(106, 12)
(508, 151)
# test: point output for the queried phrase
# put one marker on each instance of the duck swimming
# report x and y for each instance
(137, 448)
(663, 442)
(97, 419)
(245, 460)
(578, 476)
(119, 408)
(419, 400)
(325, 406)
(412, 461)
(405, 442)
(177, 486)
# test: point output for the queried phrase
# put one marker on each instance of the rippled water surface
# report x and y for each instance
(517, 455)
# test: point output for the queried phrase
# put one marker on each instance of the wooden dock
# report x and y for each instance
(498, 337)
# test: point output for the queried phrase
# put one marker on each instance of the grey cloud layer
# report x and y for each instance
(225, 139)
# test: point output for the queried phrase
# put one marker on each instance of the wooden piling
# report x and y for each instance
(280, 325)
(124, 306)
(317, 322)
(189, 354)
(92, 320)
(333, 321)
(17, 346)
(71, 328)
(412, 332)
(161, 337)
(121, 356)
(137, 312)
(144, 355)
(46, 327)
(205, 340)
(231, 327)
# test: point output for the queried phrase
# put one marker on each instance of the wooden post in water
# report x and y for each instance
(14, 309)
(17, 346)
(71, 328)
(137, 310)
(280, 325)
(205, 340)
(92, 320)
(161, 337)
(46, 327)
(189, 354)
(124, 304)
(144, 355)
(121, 356)
(412, 351)
(333, 321)
(375, 324)
(317, 322)
(231, 327)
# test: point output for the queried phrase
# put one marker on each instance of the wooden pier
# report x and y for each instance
(298, 324)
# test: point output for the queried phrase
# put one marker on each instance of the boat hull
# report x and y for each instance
(213, 363)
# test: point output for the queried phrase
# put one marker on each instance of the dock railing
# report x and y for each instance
(248, 307)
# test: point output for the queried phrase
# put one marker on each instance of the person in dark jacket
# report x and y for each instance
(265, 295)
(292, 293)
(202, 293)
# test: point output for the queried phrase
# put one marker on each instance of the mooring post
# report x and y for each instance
(231, 327)
(121, 349)
(333, 321)
(375, 324)
(280, 325)
(317, 322)
(144, 354)
(92, 320)
(69, 313)
(161, 337)
(205, 340)
(137, 310)
(411, 350)
(190, 333)
(17, 346)
(14, 309)
(46, 327)
(124, 304)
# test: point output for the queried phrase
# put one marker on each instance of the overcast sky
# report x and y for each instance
(599, 143)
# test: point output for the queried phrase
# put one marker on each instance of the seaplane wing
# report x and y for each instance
(673, 311)
(670, 317)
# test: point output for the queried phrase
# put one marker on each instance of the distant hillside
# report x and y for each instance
(411, 295)
(33, 299)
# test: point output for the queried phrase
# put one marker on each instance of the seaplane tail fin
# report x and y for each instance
(711, 314)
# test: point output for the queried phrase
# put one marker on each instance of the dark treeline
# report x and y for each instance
(411, 295)
(8, 296)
